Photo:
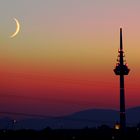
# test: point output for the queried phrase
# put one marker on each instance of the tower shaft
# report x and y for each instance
(122, 104)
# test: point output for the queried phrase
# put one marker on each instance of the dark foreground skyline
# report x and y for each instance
(100, 133)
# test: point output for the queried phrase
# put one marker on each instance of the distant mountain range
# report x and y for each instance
(82, 119)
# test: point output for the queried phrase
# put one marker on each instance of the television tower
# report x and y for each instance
(122, 69)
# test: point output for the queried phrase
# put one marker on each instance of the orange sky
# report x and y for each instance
(63, 58)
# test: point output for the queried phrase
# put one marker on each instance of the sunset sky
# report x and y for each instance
(63, 58)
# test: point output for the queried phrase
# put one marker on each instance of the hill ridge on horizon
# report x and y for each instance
(49, 116)
(81, 119)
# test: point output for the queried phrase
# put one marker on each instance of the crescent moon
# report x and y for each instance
(17, 28)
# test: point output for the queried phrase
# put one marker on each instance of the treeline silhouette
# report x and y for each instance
(100, 133)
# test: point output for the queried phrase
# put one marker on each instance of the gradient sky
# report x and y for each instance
(63, 58)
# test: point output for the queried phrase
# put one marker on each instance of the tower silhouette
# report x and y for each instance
(122, 69)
